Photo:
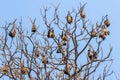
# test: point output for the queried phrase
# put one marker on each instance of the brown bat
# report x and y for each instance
(82, 13)
(64, 37)
(69, 18)
(50, 33)
(107, 22)
(12, 33)
(93, 33)
(33, 28)
(67, 70)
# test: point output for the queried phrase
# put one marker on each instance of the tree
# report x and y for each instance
(56, 52)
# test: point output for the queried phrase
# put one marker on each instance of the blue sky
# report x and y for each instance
(95, 9)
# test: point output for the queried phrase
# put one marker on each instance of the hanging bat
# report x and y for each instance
(69, 18)
(82, 13)
(12, 33)
(50, 33)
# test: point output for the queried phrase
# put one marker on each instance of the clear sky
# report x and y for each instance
(95, 9)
